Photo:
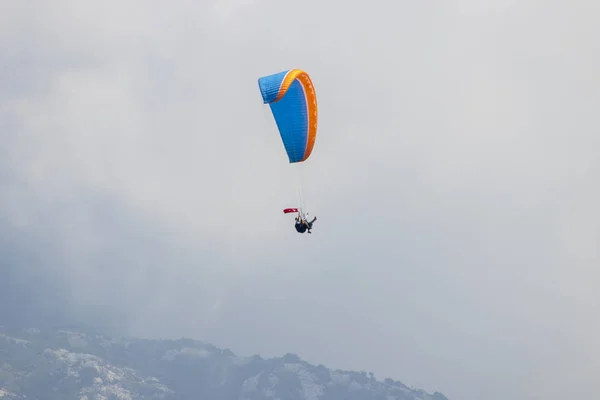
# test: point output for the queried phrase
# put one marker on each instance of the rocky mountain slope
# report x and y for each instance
(64, 365)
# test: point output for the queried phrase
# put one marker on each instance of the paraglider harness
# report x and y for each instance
(302, 225)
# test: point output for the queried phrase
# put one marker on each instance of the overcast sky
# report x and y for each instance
(455, 178)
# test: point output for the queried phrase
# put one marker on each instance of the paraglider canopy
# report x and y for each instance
(290, 210)
(293, 101)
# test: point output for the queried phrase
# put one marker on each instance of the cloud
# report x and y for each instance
(454, 178)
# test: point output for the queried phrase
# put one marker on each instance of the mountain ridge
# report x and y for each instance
(65, 364)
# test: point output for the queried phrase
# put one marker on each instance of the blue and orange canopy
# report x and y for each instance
(291, 96)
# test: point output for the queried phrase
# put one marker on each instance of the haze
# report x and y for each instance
(454, 177)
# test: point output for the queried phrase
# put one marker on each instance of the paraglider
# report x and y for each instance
(293, 102)
(302, 225)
